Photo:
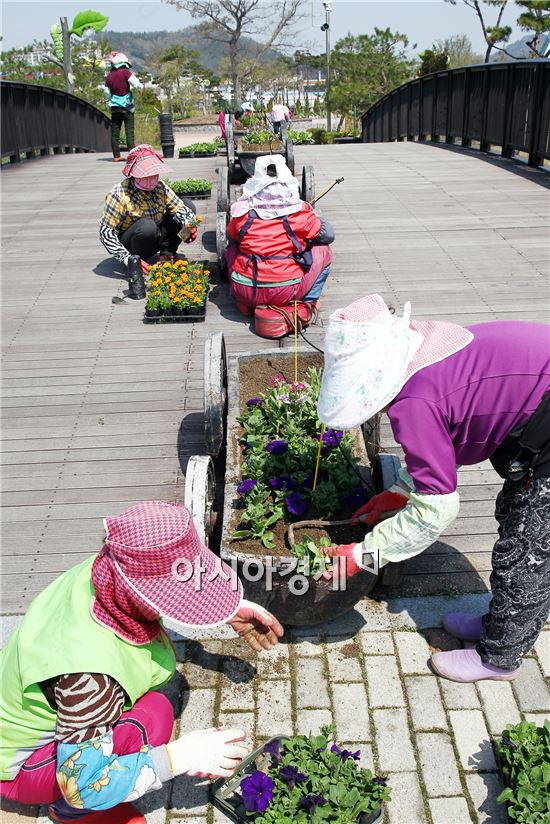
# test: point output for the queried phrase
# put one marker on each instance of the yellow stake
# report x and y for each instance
(295, 342)
(318, 457)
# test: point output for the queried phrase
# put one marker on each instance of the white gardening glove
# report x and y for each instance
(258, 627)
(211, 753)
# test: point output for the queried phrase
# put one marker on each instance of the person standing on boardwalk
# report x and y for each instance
(280, 115)
(453, 396)
(84, 728)
(142, 215)
(118, 89)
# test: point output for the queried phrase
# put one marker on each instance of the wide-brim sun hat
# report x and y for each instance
(118, 59)
(144, 161)
(371, 353)
(153, 551)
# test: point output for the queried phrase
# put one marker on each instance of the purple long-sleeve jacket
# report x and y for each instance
(460, 410)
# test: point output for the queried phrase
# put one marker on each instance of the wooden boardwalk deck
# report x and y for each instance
(101, 411)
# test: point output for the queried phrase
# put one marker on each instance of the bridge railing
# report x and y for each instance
(504, 105)
(40, 120)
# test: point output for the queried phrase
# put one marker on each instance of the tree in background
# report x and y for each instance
(493, 35)
(435, 59)
(180, 75)
(460, 50)
(535, 18)
(227, 21)
(367, 66)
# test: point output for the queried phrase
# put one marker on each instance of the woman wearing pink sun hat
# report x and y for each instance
(83, 726)
(454, 396)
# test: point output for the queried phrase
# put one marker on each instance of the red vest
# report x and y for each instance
(267, 248)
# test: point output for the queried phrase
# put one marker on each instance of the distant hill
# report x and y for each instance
(139, 46)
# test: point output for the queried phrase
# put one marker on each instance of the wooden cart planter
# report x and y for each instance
(222, 407)
(242, 156)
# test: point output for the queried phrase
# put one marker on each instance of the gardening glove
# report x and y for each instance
(145, 267)
(259, 628)
(379, 508)
(343, 555)
(211, 753)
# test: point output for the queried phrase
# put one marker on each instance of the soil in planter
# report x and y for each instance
(255, 377)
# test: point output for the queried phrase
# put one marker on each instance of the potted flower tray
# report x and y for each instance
(295, 779)
(177, 292)
(169, 316)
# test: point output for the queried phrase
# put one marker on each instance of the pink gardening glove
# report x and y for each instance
(379, 508)
(259, 628)
(343, 554)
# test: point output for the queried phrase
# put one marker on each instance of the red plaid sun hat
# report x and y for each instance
(144, 161)
(153, 555)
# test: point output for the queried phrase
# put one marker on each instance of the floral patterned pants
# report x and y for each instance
(520, 580)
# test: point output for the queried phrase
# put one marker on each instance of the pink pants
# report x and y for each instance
(279, 295)
(150, 721)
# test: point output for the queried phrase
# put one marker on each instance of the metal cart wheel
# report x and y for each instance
(222, 203)
(221, 243)
(200, 494)
(215, 393)
(289, 154)
(308, 183)
(230, 144)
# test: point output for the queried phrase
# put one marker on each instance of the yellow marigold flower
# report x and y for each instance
(166, 265)
(199, 219)
(196, 300)
(207, 272)
(157, 292)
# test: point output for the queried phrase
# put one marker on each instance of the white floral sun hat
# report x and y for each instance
(371, 353)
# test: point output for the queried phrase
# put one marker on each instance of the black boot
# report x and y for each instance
(136, 286)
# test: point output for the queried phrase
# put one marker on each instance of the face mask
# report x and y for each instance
(146, 184)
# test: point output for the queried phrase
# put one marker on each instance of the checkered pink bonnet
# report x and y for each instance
(371, 353)
(149, 568)
(144, 161)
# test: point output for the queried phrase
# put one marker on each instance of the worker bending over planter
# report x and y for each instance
(280, 250)
(83, 726)
(142, 215)
(453, 396)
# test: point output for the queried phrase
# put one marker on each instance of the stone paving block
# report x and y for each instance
(384, 684)
(542, 648)
(351, 714)
(13, 813)
(311, 721)
(406, 805)
(413, 651)
(199, 664)
(459, 696)
(395, 752)
(376, 643)
(311, 683)
(273, 709)
(366, 760)
(239, 721)
(273, 663)
(450, 811)
(437, 760)
(472, 740)
(154, 805)
(190, 795)
(237, 696)
(199, 711)
(537, 718)
(425, 702)
(375, 615)
(343, 660)
(530, 688)
(305, 645)
(484, 789)
(430, 610)
(499, 705)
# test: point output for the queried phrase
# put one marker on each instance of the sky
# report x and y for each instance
(423, 22)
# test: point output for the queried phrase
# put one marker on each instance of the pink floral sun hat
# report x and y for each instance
(153, 566)
(144, 161)
(371, 353)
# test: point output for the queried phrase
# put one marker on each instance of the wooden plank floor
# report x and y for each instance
(101, 411)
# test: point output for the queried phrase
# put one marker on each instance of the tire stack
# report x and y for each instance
(166, 134)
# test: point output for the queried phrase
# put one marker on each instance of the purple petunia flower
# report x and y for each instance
(273, 748)
(356, 497)
(246, 486)
(311, 802)
(379, 780)
(282, 482)
(291, 775)
(332, 437)
(295, 503)
(257, 790)
(254, 402)
(277, 447)
(345, 754)
(508, 743)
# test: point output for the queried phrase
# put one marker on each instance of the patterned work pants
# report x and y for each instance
(520, 580)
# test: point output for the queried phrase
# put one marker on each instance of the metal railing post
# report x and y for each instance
(535, 104)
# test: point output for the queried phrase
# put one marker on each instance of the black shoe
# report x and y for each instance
(136, 286)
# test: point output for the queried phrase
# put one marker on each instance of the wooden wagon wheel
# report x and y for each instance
(215, 393)
(289, 154)
(221, 242)
(222, 203)
(230, 144)
(308, 183)
(200, 494)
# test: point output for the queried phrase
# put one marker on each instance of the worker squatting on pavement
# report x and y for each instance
(453, 396)
(142, 215)
(83, 726)
(280, 249)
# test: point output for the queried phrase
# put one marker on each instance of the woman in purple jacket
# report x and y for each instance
(453, 396)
